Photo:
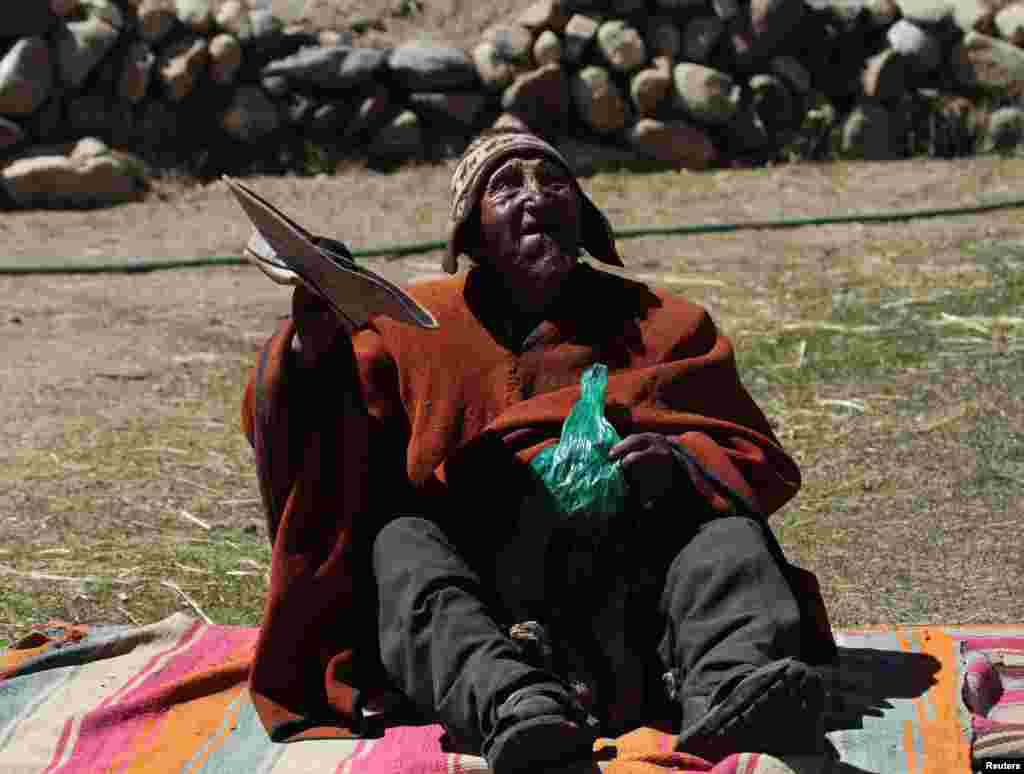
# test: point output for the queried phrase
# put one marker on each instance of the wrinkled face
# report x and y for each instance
(530, 227)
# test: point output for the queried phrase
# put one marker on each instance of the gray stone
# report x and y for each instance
(540, 98)
(708, 95)
(579, 34)
(621, 45)
(544, 15)
(233, 18)
(401, 139)
(156, 19)
(926, 13)
(340, 67)
(987, 63)
(196, 15)
(90, 175)
(26, 18)
(922, 49)
(598, 100)
(700, 36)
(512, 43)
(447, 107)
(251, 116)
(664, 37)
(790, 70)
(677, 143)
(26, 77)
(81, 45)
(225, 58)
(1010, 23)
(423, 67)
(867, 133)
(136, 72)
(772, 20)
(649, 88)
(885, 75)
(263, 23)
(10, 135)
(547, 49)
(494, 72)
(1005, 130)
(181, 65)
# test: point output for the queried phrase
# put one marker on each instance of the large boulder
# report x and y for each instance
(621, 45)
(547, 49)
(88, 174)
(182, 64)
(579, 34)
(1010, 23)
(423, 67)
(673, 142)
(334, 68)
(649, 89)
(921, 47)
(513, 43)
(708, 95)
(81, 45)
(251, 116)
(599, 101)
(983, 62)
(540, 98)
(26, 77)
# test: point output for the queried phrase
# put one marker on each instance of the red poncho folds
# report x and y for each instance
(391, 420)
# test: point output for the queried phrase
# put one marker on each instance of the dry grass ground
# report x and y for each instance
(888, 356)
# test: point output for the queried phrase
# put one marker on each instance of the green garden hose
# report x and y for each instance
(125, 265)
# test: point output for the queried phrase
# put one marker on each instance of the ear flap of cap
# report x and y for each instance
(597, 236)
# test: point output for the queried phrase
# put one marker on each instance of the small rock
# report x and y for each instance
(26, 19)
(792, 72)
(598, 100)
(540, 98)
(401, 139)
(81, 45)
(706, 94)
(922, 49)
(494, 72)
(11, 135)
(885, 75)
(421, 67)
(136, 72)
(448, 108)
(867, 133)
(181, 64)
(26, 77)
(980, 61)
(512, 43)
(544, 15)
(1005, 130)
(547, 49)
(196, 15)
(579, 33)
(621, 45)
(225, 58)
(664, 37)
(251, 116)
(341, 67)
(233, 18)
(156, 19)
(648, 90)
(1010, 24)
(927, 13)
(673, 142)
(700, 36)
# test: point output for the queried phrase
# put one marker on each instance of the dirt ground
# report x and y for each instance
(120, 391)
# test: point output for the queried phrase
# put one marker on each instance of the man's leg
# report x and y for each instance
(733, 638)
(443, 648)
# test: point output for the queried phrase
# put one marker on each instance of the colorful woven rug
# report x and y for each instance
(171, 697)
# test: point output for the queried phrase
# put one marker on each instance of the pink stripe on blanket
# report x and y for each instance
(994, 642)
(409, 749)
(108, 731)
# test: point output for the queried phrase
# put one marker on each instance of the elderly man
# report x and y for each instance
(393, 467)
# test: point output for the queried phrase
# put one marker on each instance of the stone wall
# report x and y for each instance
(685, 83)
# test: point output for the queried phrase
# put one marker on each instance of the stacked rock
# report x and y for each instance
(685, 83)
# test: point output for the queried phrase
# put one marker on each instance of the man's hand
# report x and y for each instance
(316, 324)
(648, 464)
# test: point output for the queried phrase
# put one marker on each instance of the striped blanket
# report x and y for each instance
(171, 697)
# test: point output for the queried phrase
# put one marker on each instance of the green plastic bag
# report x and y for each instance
(577, 473)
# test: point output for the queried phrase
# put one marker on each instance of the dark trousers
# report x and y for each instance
(708, 611)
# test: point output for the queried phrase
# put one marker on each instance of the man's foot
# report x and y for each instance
(777, 709)
(538, 727)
